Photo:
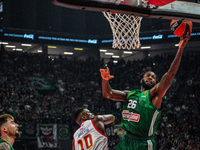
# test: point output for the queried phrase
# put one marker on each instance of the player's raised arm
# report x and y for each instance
(107, 91)
(106, 119)
(160, 89)
(101, 120)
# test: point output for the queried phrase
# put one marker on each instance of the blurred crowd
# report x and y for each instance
(78, 83)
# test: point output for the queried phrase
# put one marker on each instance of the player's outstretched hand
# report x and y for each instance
(184, 40)
(105, 74)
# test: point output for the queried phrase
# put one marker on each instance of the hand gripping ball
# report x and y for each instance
(181, 27)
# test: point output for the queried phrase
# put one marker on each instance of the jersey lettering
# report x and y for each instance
(132, 104)
(87, 140)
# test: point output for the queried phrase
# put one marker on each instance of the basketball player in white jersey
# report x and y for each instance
(91, 134)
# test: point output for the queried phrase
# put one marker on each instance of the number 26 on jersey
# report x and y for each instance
(132, 104)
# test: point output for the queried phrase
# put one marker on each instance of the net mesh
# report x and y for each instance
(125, 30)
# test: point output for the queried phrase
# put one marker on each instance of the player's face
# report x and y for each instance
(88, 114)
(12, 128)
(149, 80)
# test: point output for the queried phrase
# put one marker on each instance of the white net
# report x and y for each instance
(125, 30)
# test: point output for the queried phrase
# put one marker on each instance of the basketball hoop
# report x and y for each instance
(125, 29)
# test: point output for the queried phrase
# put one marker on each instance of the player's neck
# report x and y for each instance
(8, 139)
(142, 89)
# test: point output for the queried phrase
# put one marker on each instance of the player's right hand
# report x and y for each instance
(184, 40)
(105, 74)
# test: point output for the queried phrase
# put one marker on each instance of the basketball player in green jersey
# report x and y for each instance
(142, 107)
(8, 133)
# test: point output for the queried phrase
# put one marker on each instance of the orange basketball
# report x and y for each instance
(181, 27)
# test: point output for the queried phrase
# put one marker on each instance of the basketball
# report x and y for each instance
(181, 27)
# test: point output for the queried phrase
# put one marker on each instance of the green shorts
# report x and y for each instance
(131, 142)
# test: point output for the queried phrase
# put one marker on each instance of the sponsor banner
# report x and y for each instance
(40, 83)
(47, 135)
(130, 116)
(134, 117)
(63, 132)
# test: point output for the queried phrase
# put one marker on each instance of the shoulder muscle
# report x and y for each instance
(4, 146)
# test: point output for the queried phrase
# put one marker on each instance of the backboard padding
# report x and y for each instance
(175, 10)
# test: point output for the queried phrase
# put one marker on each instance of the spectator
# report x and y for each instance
(17, 89)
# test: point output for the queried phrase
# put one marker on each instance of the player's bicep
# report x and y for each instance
(4, 146)
(164, 84)
(106, 119)
(117, 95)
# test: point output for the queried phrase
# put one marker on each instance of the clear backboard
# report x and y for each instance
(175, 10)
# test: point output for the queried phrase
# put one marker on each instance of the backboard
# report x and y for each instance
(175, 10)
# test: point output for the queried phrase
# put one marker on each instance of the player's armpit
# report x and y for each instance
(4, 146)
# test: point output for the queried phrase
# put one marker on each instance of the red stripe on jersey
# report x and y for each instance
(97, 129)
(74, 141)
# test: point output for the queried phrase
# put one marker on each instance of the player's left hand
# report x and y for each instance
(105, 74)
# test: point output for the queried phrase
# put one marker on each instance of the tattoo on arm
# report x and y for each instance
(4, 146)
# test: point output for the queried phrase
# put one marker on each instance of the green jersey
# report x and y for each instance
(1, 141)
(139, 116)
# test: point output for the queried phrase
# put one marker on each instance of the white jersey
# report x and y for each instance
(88, 137)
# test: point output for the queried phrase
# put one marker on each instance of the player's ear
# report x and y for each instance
(141, 80)
(4, 129)
(83, 117)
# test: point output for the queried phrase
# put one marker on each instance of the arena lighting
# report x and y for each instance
(109, 54)
(127, 52)
(68, 53)
(115, 56)
(39, 51)
(176, 44)
(146, 47)
(3, 43)
(26, 44)
(79, 49)
(103, 50)
(115, 61)
(10, 46)
(52, 47)
(18, 49)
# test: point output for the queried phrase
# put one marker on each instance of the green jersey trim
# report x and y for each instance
(1, 141)
(152, 123)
